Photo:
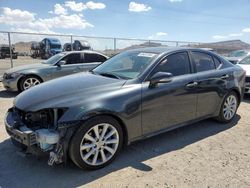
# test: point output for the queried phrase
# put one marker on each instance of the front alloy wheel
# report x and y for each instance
(29, 82)
(97, 143)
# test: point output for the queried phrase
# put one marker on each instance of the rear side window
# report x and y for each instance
(203, 61)
(90, 58)
(177, 64)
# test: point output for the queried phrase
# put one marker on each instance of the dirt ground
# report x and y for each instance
(205, 154)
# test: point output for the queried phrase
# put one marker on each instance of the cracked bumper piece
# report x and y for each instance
(22, 134)
(52, 141)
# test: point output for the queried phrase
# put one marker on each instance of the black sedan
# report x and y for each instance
(133, 95)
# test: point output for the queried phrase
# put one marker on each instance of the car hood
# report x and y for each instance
(26, 67)
(246, 68)
(67, 91)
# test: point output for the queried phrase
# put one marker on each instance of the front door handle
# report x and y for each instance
(192, 84)
(224, 77)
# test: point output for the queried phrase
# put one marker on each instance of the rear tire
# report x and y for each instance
(228, 108)
(97, 143)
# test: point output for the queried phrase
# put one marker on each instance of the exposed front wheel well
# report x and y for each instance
(238, 95)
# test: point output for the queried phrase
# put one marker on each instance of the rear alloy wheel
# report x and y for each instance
(29, 82)
(229, 108)
(97, 143)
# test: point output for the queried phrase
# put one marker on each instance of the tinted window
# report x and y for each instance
(177, 64)
(90, 58)
(73, 59)
(203, 61)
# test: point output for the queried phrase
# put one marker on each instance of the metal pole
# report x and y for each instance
(71, 42)
(115, 45)
(11, 62)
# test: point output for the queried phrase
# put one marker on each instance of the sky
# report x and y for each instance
(182, 20)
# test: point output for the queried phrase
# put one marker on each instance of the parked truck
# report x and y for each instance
(77, 46)
(5, 51)
(46, 48)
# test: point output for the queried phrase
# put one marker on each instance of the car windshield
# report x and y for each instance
(245, 61)
(127, 65)
(54, 59)
(240, 53)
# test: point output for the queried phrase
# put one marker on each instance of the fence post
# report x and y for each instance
(10, 50)
(115, 45)
(71, 42)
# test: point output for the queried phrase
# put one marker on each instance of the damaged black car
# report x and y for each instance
(133, 95)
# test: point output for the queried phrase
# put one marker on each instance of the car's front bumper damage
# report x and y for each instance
(10, 84)
(53, 141)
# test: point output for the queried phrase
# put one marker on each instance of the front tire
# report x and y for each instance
(96, 143)
(28, 82)
(228, 108)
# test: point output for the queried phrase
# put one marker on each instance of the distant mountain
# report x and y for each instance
(23, 47)
(225, 47)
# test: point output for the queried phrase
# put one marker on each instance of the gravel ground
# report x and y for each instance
(205, 154)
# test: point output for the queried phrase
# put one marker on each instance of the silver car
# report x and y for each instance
(236, 56)
(23, 77)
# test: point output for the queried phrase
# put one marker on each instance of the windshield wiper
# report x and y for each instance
(109, 74)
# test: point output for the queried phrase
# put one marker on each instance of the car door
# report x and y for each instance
(212, 82)
(172, 103)
(91, 60)
(72, 64)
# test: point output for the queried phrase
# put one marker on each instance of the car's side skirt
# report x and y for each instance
(169, 129)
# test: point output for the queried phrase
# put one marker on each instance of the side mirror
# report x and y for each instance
(161, 77)
(60, 63)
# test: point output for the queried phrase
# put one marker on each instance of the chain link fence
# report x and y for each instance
(18, 48)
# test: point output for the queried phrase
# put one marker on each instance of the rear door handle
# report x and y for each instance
(224, 77)
(192, 84)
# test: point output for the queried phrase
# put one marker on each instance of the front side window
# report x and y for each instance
(126, 65)
(177, 64)
(72, 59)
(203, 61)
(245, 61)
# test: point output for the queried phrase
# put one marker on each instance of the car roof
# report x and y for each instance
(83, 51)
(160, 50)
